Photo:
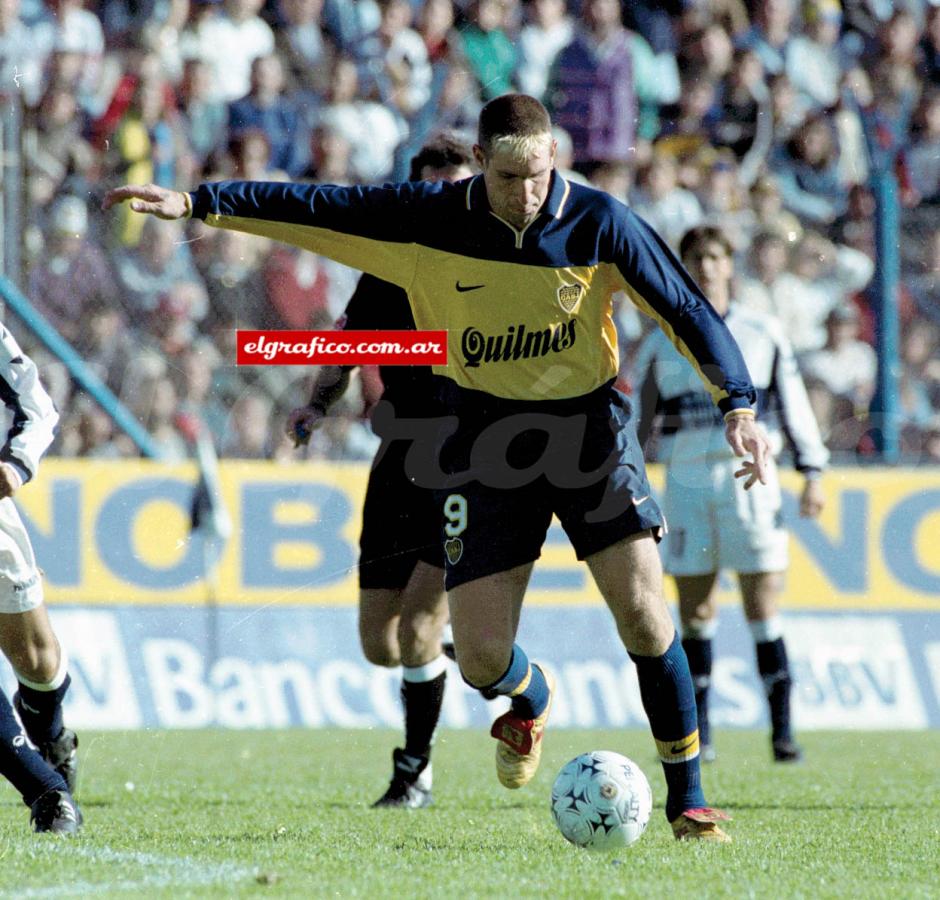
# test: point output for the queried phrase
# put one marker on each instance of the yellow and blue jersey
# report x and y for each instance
(528, 312)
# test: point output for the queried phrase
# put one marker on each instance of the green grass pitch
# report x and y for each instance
(285, 814)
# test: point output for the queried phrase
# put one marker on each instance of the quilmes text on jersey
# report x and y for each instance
(518, 342)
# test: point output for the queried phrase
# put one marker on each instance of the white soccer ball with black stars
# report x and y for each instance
(601, 800)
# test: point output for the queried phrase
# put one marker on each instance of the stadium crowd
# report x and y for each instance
(749, 115)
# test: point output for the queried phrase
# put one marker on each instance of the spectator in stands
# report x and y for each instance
(745, 123)
(708, 51)
(919, 389)
(162, 35)
(821, 276)
(769, 212)
(488, 49)
(268, 109)
(614, 178)
(814, 63)
(147, 139)
(156, 405)
(304, 290)
(203, 120)
(88, 432)
(349, 21)
(807, 170)
(652, 21)
(435, 24)
(760, 280)
(930, 47)
(923, 158)
(193, 377)
(771, 34)
(106, 343)
(229, 39)
(68, 29)
(249, 432)
(659, 199)
(56, 155)
(160, 262)
(235, 286)
(840, 379)
(394, 67)
(457, 106)
(331, 156)
(548, 29)
(724, 202)
(21, 65)
(688, 128)
(304, 46)
(171, 328)
(249, 157)
(924, 284)
(602, 88)
(72, 274)
(373, 131)
(789, 109)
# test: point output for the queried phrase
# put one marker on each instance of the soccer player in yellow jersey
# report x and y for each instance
(520, 266)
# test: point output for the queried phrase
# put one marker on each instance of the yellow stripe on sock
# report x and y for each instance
(680, 750)
(522, 684)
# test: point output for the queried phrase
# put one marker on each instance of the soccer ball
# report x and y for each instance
(602, 801)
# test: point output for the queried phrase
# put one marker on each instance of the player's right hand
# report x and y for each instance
(10, 481)
(301, 422)
(149, 198)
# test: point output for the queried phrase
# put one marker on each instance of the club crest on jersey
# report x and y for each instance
(569, 296)
(453, 547)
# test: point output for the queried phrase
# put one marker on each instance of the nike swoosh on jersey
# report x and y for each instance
(463, 288)
(637, 502)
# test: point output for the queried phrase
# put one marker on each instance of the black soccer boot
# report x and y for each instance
(786, 751)
(60, 753)
(410, 787)
(55, 812)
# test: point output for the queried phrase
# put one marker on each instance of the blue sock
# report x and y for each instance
(774, 670)
(524, 683)
(20, 764)
(41, 711)
(669, 700)
(699, 653)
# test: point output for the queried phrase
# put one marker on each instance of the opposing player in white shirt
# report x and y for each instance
(714, 523)
(45, 776)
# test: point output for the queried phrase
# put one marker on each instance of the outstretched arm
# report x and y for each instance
(374, 229)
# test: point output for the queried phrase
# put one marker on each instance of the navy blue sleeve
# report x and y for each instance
(661, 287)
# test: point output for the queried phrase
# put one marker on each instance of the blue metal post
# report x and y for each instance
(885, 406)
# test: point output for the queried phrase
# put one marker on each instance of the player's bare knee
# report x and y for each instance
(483, 663)
(36, 662)
(419, 635)
(380, 650)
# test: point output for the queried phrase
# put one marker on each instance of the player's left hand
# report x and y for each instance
(149, 198)
(10, 481)
(812, 500)
(745, 437)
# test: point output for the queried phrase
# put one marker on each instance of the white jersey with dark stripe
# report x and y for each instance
(33, 417)
(528, 311)
(667, 390)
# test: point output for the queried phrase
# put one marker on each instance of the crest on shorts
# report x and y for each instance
(569, 296)
(453, 547)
